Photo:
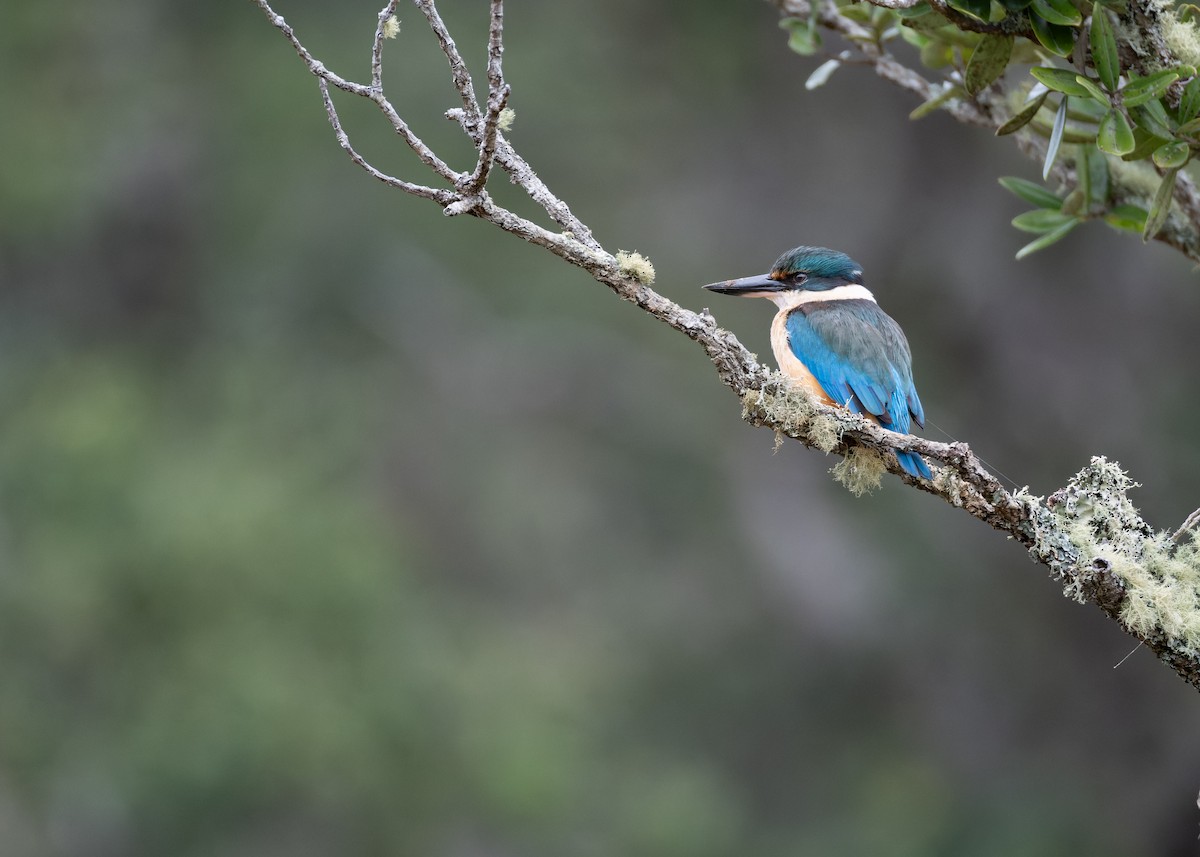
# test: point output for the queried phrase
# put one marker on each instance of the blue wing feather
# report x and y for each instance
(860, 357)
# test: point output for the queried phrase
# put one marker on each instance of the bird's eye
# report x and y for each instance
(799, 277)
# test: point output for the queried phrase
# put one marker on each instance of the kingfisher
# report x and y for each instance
(832, 339)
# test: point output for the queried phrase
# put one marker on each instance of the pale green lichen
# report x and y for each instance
(825, 432)
(635, 265)
(1162, 589)
(1137, 177)
(1161, 580)
(790, 411)
(505, 120)
(391, 27)
(861, 471)
(1182, 37)
(778, 404)
(950, 485)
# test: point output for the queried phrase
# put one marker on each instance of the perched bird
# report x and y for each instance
(831, 338)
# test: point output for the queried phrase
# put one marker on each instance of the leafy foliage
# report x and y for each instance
(1106, 97)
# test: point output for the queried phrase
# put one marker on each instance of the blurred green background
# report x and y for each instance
(330, 526)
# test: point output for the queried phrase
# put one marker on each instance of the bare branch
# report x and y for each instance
(415, 143)
(377, 46)
(458, 67)
(498, 93)
(373, 93)
(313, 64)
(524, 177)
(442, 197)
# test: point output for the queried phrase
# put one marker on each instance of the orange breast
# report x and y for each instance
(789, 363)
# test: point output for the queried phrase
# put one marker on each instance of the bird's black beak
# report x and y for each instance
(748, 287)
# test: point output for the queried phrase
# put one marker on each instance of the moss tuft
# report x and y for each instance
(1182, 37)
(635, 265)
(505, 119)
(391, 27)
(788, 408)
(861, 471)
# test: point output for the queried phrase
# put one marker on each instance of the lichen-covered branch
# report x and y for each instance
(1087, 534)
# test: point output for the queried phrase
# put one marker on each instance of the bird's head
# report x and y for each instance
(804, 269)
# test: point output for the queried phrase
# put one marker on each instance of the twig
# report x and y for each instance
(1187, 525)
(442, 197)
(377, 46)
(524, 176)
(1009, 25)
(458, 68)
(498, 93)
(319, 70)
(314, 65)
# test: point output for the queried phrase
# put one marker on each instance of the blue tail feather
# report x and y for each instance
(913, 464)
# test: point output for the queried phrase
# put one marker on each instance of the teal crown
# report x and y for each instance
(819, 263)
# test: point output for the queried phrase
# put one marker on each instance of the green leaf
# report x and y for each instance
(1060, 80)
(1104, 49)
(821, 74)
(1057, 39)
(987, 62)
(1144, 144)
(937, 55)
(1015, 5)
(1056, 135)
(1075, 203)
(1142, 89)
(1088, 110)
(858, 12)
(1047, 239)
(1034, 194)
(1092, 168)
(937, 101)
(981, 9)
(918, 11)
(1041, 220)
(1070, 135)
(1058, 12)
(1189, 129)
(1092, 89)
(1152, 118)
(930, 25)
(1021, 119)
(803, 37)
(1189, 102)
(1161, 207)
(1172, 156)
(804, 43)
(1131, 218)
(1115, 136)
